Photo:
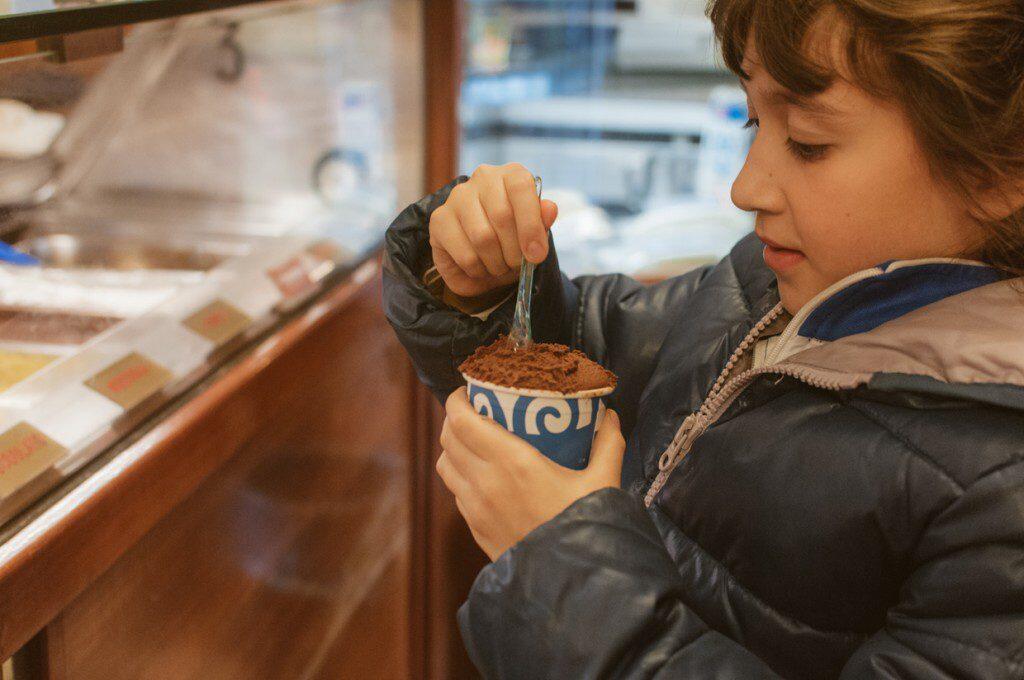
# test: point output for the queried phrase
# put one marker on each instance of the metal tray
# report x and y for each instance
(121, 253)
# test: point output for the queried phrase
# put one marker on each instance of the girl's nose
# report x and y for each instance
(756, 189)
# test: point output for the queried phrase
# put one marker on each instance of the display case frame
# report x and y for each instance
(44, 18)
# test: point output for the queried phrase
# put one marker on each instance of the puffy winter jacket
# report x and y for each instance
(854, 509)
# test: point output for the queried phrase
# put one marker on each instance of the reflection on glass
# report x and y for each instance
(26, 132)
(624, 111)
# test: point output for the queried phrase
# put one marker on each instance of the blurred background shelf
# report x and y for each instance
(609, 103)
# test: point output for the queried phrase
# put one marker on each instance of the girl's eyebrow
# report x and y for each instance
(813, 106)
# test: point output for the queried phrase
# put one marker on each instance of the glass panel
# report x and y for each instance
(280, 113)
(624, 111)
(206, 180)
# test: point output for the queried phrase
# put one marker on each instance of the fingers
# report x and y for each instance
(522, 195)
(496, 199)
(499, 213)
(447, 235)
(451, 477)
(609, 447)
(461, 417)
(469, 466)
(548, 213)
(482, 437)
(481, 233)
(458, 399)
(481, 236)
(464, 424)
(467, 505)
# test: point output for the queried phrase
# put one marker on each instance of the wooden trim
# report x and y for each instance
(442, 33)
(436, 646)
(97, 42)
(20, 48)
(56, 556)
(420, 472)
(454, 562)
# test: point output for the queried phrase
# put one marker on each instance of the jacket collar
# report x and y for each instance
(870, 298)
(945, 326)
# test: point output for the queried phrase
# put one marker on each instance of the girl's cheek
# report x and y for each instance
(832, 241)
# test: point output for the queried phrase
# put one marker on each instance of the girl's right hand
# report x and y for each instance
(487, 225)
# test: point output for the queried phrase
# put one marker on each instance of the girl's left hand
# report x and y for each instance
(504, 487)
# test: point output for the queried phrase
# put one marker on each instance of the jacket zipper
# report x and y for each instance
(720, 398)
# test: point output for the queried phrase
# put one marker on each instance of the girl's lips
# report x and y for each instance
(781, 259)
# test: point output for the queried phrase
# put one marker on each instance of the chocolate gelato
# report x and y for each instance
(543, 366)
(54, 328)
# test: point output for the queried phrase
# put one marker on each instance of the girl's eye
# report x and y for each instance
(807, 152)
(803, 152)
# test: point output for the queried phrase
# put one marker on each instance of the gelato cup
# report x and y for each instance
(546, 393)
(561, 426)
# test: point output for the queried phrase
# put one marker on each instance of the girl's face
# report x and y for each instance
(839, 184)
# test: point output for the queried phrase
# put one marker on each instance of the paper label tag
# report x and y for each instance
(25, 452)
(293, 277)
(325, 250)
(218, 322)
(302, 273)
(128, 381)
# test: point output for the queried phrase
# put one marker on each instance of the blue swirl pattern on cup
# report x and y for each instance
(562, 428)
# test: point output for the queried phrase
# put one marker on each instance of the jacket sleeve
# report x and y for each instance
(594, 593)
(615, 320)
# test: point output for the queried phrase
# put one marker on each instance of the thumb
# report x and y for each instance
(548, 212)
(609, 447)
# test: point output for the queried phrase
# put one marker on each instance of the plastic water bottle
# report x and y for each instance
(724, 144)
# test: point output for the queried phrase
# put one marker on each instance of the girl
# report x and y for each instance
(824, 434)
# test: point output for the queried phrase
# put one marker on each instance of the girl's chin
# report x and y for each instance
(794, 294)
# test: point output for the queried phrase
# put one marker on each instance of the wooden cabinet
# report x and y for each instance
(288, 558)
(293, 551)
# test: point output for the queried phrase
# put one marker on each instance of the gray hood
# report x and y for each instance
(969, 345)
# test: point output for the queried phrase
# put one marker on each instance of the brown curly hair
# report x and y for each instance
(955, 66)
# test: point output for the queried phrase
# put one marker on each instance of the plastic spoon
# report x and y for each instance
(521, 335)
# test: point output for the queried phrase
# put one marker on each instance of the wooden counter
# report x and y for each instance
(258, 529)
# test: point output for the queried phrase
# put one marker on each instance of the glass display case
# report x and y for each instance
(192, 344)
(175, 204)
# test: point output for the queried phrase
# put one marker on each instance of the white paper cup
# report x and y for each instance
(561, 426)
